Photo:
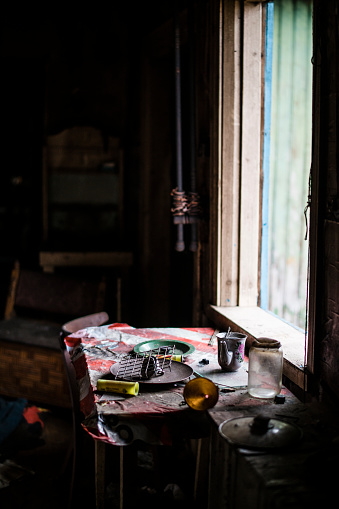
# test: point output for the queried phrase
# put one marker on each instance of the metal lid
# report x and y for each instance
(260, 432)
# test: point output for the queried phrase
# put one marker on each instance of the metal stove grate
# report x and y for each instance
(145, 365)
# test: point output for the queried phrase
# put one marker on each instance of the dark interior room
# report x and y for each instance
(169, 170)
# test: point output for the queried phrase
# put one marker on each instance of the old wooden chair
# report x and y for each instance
(34, 365)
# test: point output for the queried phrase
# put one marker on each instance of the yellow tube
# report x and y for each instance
(131, 388)
(174, 357)
(177, 357)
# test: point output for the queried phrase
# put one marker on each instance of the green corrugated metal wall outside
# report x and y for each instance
(290, 159)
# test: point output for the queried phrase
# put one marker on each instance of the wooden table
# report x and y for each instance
(240, 477)
(155, 414)
(300, 474)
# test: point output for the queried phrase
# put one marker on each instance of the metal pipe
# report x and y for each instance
(194, 243)
(180, 244)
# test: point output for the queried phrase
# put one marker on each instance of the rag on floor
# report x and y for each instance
(20, 426)
(11, 413)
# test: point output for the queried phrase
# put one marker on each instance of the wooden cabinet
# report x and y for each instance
(83, 211)
(82, 191)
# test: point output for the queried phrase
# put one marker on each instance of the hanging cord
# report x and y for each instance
(308, 204)
(186, 208)
(179, 204)
(307, 208)
(193, 206)
(306, 319)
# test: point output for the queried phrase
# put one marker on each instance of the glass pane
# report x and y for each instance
(287, 159)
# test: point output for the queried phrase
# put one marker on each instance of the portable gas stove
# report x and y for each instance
(152, 366)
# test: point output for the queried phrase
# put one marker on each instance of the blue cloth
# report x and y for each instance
(11, 413)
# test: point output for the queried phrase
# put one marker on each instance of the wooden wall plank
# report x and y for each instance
(229, 165)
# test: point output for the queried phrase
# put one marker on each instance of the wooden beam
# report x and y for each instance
(51, 259)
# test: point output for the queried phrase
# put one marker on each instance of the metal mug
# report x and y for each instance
(231, 350)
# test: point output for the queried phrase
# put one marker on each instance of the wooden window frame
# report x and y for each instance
(236, 181)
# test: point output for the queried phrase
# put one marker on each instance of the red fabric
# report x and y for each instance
(72, 341)
(120, 326)
(31, 414)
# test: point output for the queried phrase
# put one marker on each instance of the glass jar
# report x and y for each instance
(265, 367)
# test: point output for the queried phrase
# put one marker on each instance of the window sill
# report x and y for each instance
(255, 322)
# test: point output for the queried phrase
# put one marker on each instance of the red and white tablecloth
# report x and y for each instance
(152, 414)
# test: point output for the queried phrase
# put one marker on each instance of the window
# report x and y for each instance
(286, 159)
(238, 152)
